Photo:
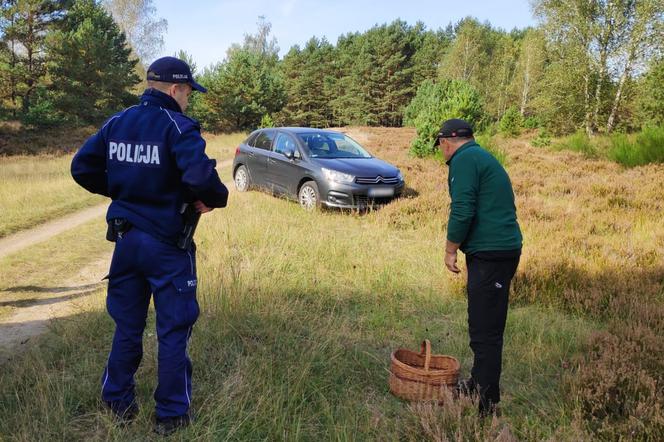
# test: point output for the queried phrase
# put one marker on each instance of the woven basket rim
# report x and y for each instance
(422, 371)
(428, 382)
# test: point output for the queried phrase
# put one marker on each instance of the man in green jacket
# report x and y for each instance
(482, 224)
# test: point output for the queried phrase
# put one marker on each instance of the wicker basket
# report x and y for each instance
(422, 376)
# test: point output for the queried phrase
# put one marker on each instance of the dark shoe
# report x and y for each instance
(489, 410)
(123, 416)
(170, 425)
(465, 387)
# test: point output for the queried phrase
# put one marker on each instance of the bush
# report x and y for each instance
(648, 147)
(42, 114)
(437, 102)
(267, 121)
(578, 142)
(532, 122)
(543, 139)
(512, 122)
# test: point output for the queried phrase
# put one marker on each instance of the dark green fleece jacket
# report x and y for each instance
(482, 214)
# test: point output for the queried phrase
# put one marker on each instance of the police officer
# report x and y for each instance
(150, 160)
(482, 224)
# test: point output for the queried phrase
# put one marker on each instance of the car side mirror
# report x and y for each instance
(289, 153)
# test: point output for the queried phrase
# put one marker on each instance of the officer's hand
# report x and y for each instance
(201, 207)
(451, 262)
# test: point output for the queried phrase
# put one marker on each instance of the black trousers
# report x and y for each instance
(489, 278)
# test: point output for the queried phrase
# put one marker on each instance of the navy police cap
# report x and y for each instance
(453, 128)
(172, 70)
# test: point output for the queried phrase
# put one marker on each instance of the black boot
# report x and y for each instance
(488, 409)
(465, 387)
(170, 425)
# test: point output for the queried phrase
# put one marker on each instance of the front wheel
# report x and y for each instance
(308, 196)
(241, 179)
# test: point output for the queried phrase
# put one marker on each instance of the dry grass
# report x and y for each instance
(42, 271)
(301, 311)
(594, 245)
(36, 189)
(16, 140)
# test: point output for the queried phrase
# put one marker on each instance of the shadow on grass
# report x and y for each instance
(614, 293)
(38, 289)
(21, 303)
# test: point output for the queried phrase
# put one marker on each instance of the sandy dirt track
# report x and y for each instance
(68, 298)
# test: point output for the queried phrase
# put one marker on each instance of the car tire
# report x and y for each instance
(241, 179)
(309, 196)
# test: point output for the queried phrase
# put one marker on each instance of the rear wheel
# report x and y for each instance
(308, 196)
(241, 179)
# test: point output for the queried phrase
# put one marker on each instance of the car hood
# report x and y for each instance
(359, 167)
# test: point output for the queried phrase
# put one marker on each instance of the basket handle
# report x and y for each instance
(426, 352)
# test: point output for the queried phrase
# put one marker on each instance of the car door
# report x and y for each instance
(283, 173)
(259, 149)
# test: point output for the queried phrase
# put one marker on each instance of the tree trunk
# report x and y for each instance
(605, 36)
(526, 86)
(598, 91)
(588, 117)
(616, 101)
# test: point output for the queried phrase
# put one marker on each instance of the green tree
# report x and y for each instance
(599, 43)
(437, 102)
(642, 39)
(486, 58)
(511, 122)
(25, 25)
(352, 67)
(529, 70)
(650, 102)
(142, 27)
(309, 78)
(430, 47)
(90, 65)
(377, 72)
(245, 87)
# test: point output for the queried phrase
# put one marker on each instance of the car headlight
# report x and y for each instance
(336, 176)
(400, 176)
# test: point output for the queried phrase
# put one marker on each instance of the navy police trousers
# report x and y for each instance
(143, 266)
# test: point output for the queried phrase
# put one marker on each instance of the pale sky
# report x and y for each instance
(206, 28)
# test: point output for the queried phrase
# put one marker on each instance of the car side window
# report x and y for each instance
(264, 140)
(284, 143)
(252, 140)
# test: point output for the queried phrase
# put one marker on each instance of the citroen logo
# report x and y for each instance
(379, 179)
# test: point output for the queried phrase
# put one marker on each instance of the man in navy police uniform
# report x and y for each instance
(150, 160)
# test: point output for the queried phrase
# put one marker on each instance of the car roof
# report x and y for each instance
(300, 130)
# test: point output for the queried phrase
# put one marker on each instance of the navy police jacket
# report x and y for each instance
(150, 159)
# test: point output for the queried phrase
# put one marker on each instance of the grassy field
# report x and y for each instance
(301, 311)
(36, 189)
(46, 270)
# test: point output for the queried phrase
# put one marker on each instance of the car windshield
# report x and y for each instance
(332, 145)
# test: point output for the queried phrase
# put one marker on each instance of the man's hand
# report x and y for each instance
(451, 262)
(202, 208)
